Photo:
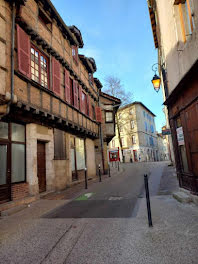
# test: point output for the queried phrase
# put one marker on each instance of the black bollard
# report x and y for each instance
(100, 179)
(118, 165)
(85, 178)
(148, 200)
(109, 171)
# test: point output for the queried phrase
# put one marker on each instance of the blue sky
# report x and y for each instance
(117, 34)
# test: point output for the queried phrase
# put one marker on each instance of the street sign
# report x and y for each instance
(166, 132)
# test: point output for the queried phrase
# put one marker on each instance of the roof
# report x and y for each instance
(98, 83)
(135, 103)
(77, 34)
(151, 5)
(89, 63)
(110, 97)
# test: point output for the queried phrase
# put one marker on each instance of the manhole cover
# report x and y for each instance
(115, 198)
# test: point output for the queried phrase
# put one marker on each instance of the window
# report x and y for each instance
(91, 79)
(122, 141)
(133, 140)
(152, 129)
(59, 145)
(113, 143)
(121, 128)
(144, 113)
(145, 126)
(94, 113)
(132, 124)
(109, 117)
(18, 152)
(75, 54)
(185, 17)
(71, 91)
(39, 67)
(84, 103)
(131, 112)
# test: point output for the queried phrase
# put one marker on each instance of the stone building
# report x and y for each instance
(49, 101)
(175, 30)
(162, 148)
(136, 126)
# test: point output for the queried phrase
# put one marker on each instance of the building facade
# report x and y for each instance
(175, 30)
(49, 102)
(162, 148)
(136, 126)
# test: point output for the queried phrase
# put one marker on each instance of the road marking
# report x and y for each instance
(84, 197)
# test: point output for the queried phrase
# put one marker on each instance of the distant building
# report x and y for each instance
(136, 126)
(163, 151)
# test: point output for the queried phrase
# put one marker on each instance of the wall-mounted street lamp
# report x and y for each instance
(156, 81)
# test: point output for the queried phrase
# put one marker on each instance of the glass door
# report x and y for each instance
(5, 187)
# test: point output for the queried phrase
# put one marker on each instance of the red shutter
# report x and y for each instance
(56, 76)
(90, 107)
(75, 91)
(80, 98)
(98, 114)
(67, 87)
(23, 44)
(76, 54)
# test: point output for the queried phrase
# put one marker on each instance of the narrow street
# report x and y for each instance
(106, 224)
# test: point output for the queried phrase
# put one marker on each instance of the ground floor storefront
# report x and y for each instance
(183, 114)
(36, 158)
(140, 154)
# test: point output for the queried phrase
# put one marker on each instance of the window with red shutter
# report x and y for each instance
(98, 114)
(84, 103)
(75, 54)
(90, 107)
(67, 87)
(23, 44)
(80, 98)
(56, 76)
(75, 92)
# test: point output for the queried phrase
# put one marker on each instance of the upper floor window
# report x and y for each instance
(185, 16)
(84, 103)
(145, 126)
(122, 141)
(152, 129)
(93, 112)
(131, 111)
(144, 113)
(113, 143)
(121, 128)
(75, 54)
(133, 140)
(132, 124)
(91, 79)
(39, 67)
(108, 116)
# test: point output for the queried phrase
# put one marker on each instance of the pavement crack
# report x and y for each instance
(81, 232)
(58, 241)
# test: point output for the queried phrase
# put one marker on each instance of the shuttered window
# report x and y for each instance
(59, 145)
(75, 92)
(80, 98)
(23, 45)
(56, 76)
(98, 114)
(67, 87)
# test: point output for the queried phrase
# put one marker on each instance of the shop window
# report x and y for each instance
(17, 152)
(3, 130)
(108, 116)
(59, 145)
(39, 67)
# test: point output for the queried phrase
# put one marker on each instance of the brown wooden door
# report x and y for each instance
(41, 166)
(5, 186)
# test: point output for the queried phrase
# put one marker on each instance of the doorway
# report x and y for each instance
(5, 173)
(41, 166)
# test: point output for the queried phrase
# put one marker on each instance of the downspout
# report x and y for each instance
(12, 51)
(101, 135)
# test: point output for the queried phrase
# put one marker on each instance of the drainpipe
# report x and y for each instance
(12, 51)
(101, 134)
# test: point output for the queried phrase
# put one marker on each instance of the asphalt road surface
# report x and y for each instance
(92, 229)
